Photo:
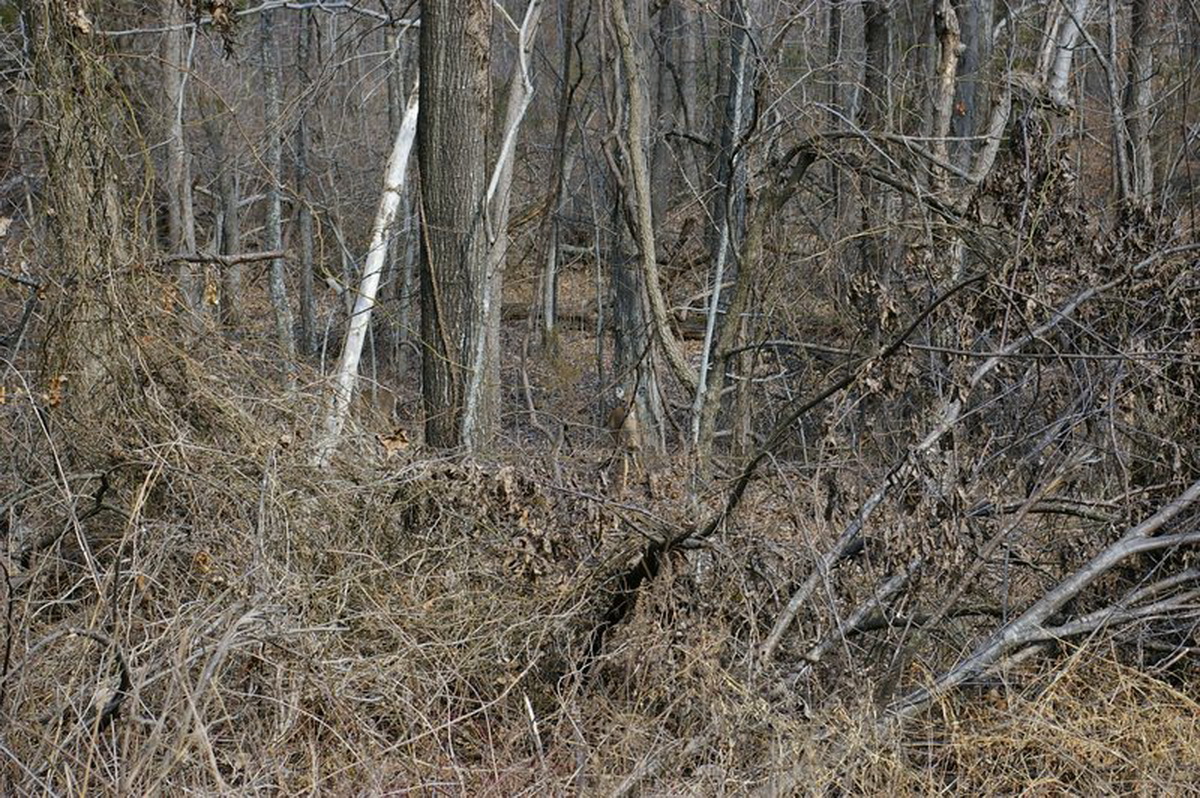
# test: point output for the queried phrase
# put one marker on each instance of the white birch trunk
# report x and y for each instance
(346, 374)
(1068, 37)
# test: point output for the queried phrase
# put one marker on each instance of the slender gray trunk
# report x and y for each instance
(662, 107)
(561, 171)
(1139, 97)
(730, 219)
(346, 374)
(402, 253)
(308, 312)
(639, 190)
(1064, 51)
(834, 92)
(687, 38)
(481, 416)
(274, 163)
(228, 228)
(875, 117)
(231, 242)
(975, 21)
(181, 221)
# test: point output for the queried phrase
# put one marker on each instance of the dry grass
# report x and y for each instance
(422, 626)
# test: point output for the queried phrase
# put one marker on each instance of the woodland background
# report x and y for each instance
(314, 313)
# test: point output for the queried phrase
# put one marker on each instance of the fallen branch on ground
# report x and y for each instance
(1029, 627)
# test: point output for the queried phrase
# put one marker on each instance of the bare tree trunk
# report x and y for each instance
(660, 106)
(571, 75)
(750, 259)
(346, 374)
(877, 35)
(742, 365)
(730, 215)
(407, 254)
(975, 18)
(835, 94)
(231, 224)
(1064, 53)
(451, 131)
(875, 117)
(729, 198)
(274, 161)
(634, 366)
(406, 271)
(481, 418)
(91, 241)
(181, 222)
(1051, 25)
(308, 311)
(401, 244)
(633, 357)
(640, 199)
(227, 230)
(949, 41)
(1122, 174)
(687, 66)
(1139, 97)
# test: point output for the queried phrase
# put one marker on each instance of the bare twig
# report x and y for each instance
(949, 416)
(224, 260)
(21, 279)
(97, 717)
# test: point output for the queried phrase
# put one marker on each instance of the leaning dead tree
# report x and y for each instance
(346, 373)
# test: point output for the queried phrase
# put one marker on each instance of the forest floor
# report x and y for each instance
(191, 607)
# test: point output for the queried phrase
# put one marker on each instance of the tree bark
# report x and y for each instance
(1122, 172)
(690, 64)
(402, 252)
(181, 222)
(949, 37)
(571, 75)
(91, 238)
(875, 117)
(1064, 53)
(1139, 97)
(975, 18)
(231, 238)
(640, 199)
(730, 214)
(455, 108)
(304, 222)
(660, 108)
(227, 225)
(482, 412)
(273, 239)
(835, 93)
